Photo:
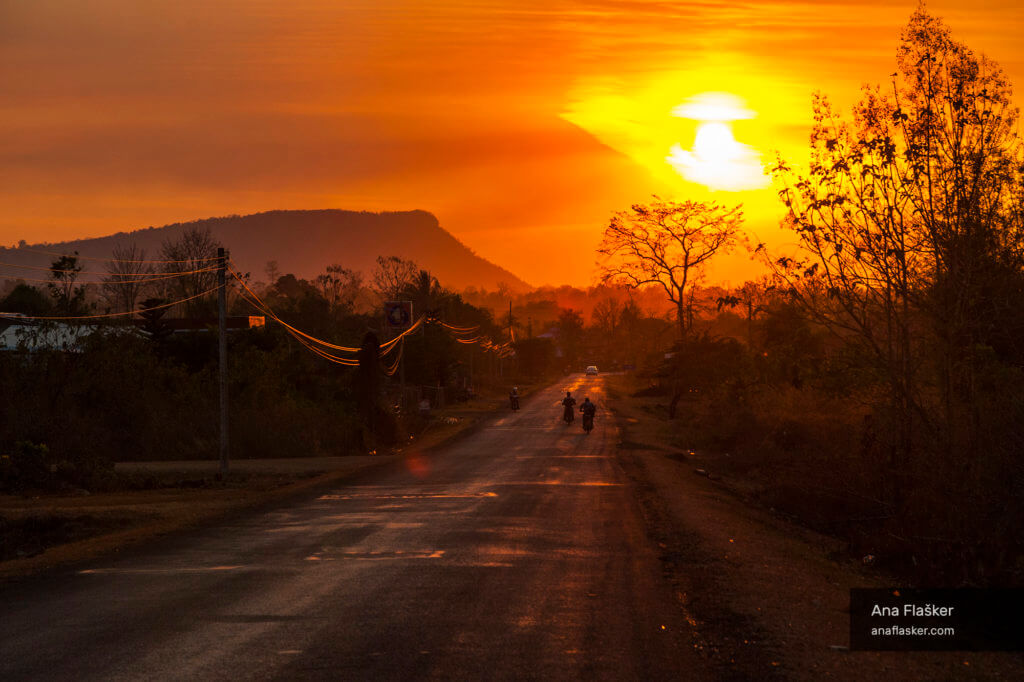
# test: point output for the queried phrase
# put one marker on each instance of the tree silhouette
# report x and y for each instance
(153, 325)
(27, 300)
(570, 334)
(122, 286)
(339, 286)
(193, 252)
(909, 224)
(68, 297)
(391, 276)
(668, 244)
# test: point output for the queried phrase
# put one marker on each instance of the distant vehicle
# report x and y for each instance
(592, 370)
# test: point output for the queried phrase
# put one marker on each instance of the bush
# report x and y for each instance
(34, 467)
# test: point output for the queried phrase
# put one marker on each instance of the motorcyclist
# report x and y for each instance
(513, 397)
(568, 414)
(588, 409)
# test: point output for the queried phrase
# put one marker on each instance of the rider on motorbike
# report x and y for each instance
(568, 414)
(588, 409)
(513, 397)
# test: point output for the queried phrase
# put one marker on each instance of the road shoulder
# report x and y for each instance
(765, 597)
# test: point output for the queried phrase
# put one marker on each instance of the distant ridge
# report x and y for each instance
(304, 243)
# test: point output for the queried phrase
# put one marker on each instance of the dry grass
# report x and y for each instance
(40, 531)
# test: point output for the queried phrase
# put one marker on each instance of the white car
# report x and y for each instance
(592, 370)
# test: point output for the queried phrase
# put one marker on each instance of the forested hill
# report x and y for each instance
(305, 243)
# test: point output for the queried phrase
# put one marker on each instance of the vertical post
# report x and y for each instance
(223, 357)
(401, 374)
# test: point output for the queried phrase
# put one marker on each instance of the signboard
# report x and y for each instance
(398, 314)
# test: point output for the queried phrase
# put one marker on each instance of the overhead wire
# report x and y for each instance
(388, 344)
(78, 282)
(313, 343)
(104, 273)
(116, 260)
(270, 313)
(337, 359)
(455, 327)
(16, 316)
(393, 367)
(309, 341)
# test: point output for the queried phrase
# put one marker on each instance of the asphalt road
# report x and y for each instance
(518, 552)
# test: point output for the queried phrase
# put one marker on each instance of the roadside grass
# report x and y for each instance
(780, 452)
(40, 529)
(745, 569)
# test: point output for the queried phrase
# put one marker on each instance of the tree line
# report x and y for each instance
(129, 391)
(873, 380)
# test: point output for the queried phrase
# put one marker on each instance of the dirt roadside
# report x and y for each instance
(766, 598)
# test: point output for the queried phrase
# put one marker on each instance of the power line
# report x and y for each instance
(270, 313)
(12, 316)
(154, 278)
(390, 344)
(115, 260)
(105, 273)
(324, 354)
(393, 367)
(311, 342)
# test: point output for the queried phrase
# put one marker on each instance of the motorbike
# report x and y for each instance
(588, 422)
(568, 414)
(514, 400)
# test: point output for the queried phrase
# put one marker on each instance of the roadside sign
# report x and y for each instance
(398, 314)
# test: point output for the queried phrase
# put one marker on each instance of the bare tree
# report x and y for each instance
(339, 286)
(125, 285)
(668, 244)
(192, 255)
(272, 271)
(606, 315)
(391, 276)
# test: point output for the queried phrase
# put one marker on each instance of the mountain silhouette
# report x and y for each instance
(303, 243)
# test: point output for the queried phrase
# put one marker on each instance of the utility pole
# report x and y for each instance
(401, 374)
(222, 311)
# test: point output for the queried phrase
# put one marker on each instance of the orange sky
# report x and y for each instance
(521, 125)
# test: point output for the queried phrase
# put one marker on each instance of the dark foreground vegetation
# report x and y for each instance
(873, 384)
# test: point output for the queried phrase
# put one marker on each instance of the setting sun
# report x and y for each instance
(717, 159)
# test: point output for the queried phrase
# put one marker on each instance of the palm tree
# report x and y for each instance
(425, 292)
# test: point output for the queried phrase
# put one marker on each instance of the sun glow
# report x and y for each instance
(691, 138)
(717, 159)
